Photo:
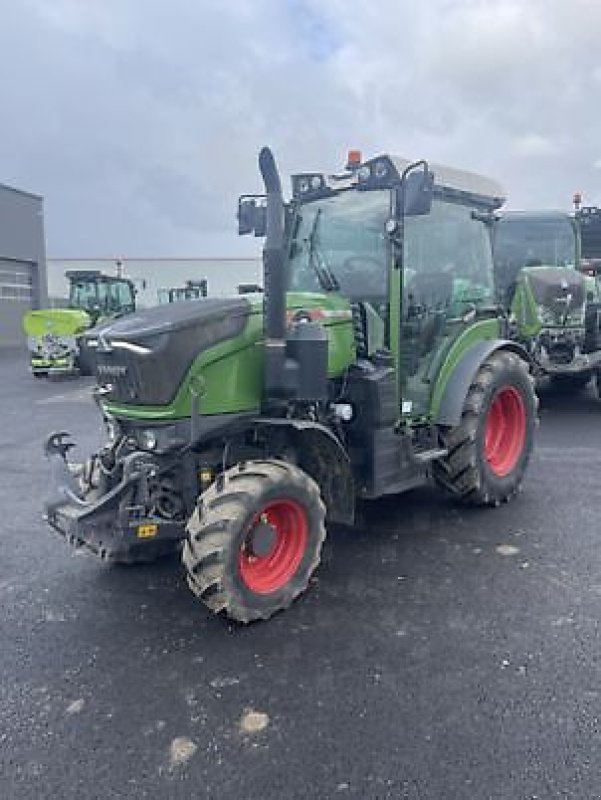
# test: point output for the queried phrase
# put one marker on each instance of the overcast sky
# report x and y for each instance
(140, 120)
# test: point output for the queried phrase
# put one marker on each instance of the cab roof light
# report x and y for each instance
(353, 159)
(309, 186)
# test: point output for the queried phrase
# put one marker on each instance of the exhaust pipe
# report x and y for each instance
(274, 278)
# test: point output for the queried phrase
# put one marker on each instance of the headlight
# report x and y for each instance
(147, 440)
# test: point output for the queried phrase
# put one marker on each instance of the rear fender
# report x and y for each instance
(455, 393)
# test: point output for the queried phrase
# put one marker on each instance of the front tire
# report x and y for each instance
(489, 451)
(255, 539)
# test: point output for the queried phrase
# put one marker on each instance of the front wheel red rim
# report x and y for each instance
(267, 573)
(505, 431)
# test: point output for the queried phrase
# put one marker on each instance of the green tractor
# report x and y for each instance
(54, 335)
(552, 297)
(374, 361)
(192, 290)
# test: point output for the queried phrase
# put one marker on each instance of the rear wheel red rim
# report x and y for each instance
(505, 431)
(268, 573)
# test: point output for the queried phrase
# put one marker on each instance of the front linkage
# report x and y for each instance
(110, 502)
(255, 527)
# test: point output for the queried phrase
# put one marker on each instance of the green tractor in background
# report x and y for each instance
(374, 361)
(54, 335)
(192, 290)
(551, 293)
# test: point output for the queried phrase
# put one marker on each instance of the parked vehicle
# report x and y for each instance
(375, 360)
(192, 290)
(54, 335)
(552, 294)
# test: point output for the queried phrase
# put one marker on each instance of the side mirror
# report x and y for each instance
(252, 214)
(416, 190)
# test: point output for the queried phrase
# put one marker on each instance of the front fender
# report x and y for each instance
(321, 454)
(453, 398)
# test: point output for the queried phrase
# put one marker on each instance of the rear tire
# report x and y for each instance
(489, 451)
(271, 506)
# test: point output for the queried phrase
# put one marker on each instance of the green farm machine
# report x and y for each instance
(546, 273)
(374, 361)
(55, 335)
(191, 290)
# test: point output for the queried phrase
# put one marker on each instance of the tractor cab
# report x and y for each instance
(588, 219)
(192, 290)
(589, 223)
(408, 246)
(100, 295)
(526, 240)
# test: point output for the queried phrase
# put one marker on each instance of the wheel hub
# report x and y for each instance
(274, 546)
(262, 539)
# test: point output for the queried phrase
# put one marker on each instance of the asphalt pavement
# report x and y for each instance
(441, 653)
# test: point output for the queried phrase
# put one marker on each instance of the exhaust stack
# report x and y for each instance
(296, 359)
(274, 278)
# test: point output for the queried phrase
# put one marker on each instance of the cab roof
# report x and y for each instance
(536, 216)
(460, 180)
(385, 171)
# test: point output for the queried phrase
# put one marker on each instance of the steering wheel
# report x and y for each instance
(362, 275)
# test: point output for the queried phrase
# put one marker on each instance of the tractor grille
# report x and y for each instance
(121, 373)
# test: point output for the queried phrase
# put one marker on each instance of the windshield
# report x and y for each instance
(340, 243)
(121, 295)
(102, 296)
(531, 243)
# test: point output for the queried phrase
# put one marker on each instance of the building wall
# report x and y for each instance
(23, 278)
(151, 274)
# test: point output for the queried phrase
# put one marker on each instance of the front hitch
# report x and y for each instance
(57, 443)
(117, 524)
(56, 449)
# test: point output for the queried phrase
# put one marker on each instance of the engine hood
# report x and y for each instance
(143, 357)
(551, 285)
(169, 318)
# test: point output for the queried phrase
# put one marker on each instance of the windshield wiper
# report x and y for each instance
(327, 280)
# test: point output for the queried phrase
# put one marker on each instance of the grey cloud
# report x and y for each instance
(140, 121)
